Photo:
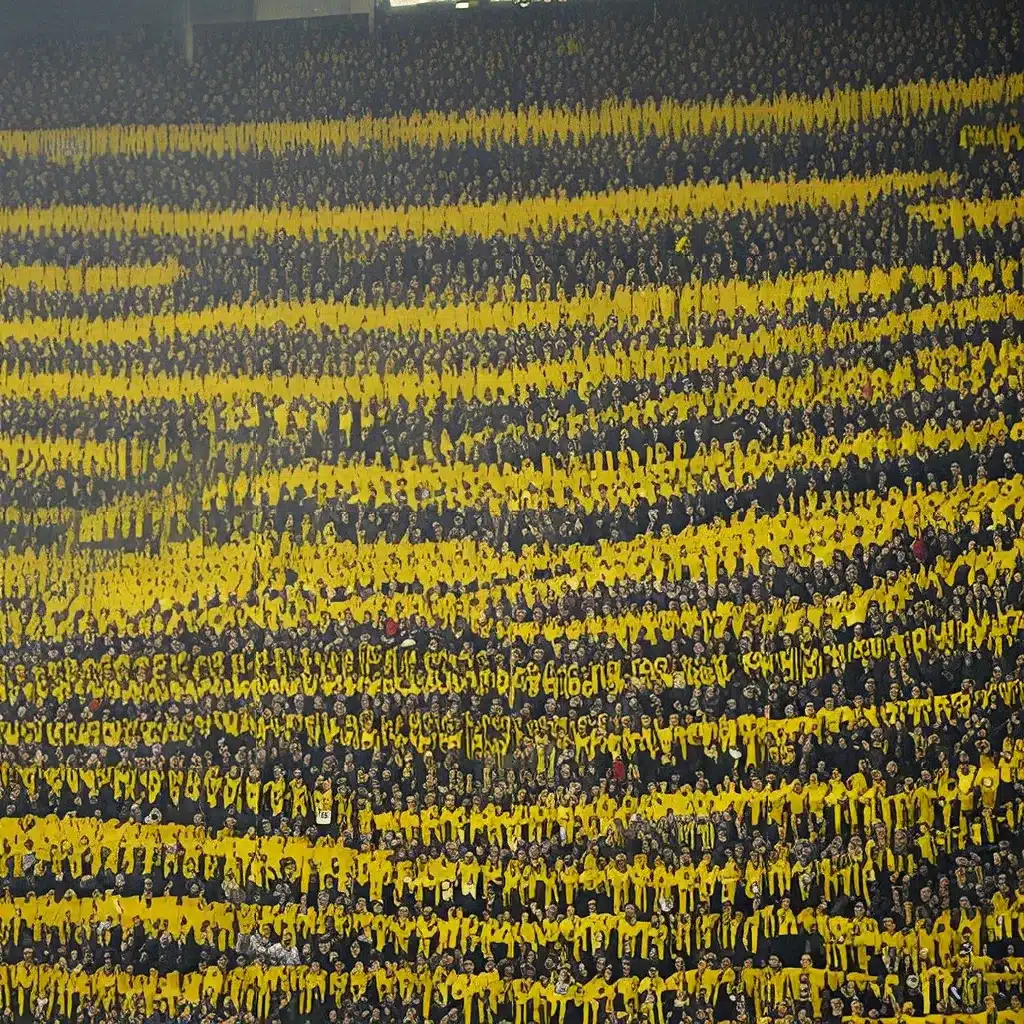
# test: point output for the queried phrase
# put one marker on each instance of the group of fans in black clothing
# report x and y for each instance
(785, 787)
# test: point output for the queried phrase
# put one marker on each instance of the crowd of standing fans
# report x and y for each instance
(515, 520)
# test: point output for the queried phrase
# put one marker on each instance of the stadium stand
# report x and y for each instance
(516, 521)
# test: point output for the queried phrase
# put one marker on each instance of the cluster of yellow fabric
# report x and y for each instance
(840, 107)
(571, 653)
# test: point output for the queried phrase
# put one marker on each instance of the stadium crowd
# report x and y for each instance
(512, 59)
(528, 531)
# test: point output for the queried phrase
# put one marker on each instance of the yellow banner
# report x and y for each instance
(542, 215)
(527, 125)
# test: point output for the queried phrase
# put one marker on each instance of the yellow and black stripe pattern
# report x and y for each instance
(533, 606)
